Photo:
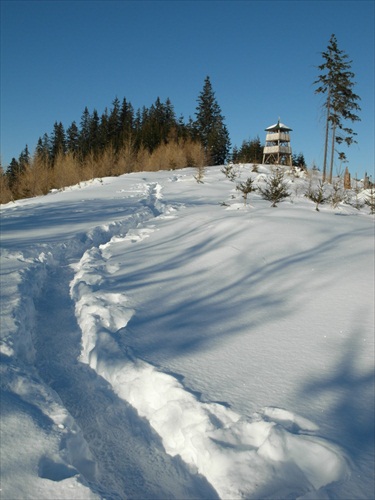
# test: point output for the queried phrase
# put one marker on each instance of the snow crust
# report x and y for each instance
(162, 340)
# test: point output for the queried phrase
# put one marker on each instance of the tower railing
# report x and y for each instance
(277, 149)
(278, 136)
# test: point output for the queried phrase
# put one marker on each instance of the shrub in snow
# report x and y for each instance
(200, 174)
(230, 172)
(356, 200)
(370, 200)
(338, 194)
(317, 194)
(275, 189)
(246, 188)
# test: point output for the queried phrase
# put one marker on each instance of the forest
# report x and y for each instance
(123, 140)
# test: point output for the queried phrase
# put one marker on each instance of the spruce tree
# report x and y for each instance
(126, 121)
(103, 130)
(209, 126)
(246, 188)
(335, 82)
(275, 189)
(13, 171)
(43, 149)
(114, 124)
(251, 151)
(58, 141)
(24, 158)
(84, 134)
(72, 138)
(94, 143)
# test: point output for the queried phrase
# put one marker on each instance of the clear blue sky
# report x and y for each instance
(59, 56)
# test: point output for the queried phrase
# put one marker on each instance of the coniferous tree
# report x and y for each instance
(251, 151)
(209, 126)
(235, 157)
(114, 124)
(340, 104)
(43, 149)
(72, 138)
(246, 188)
(298, 160)
(103, 130)
(58, 141)
(94, 133)
(138, 129)
(126, 121)
(84, 134)
(24, 158)
(318, 194)
(275, 189)
(13, 172)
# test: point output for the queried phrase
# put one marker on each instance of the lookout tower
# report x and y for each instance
(277, 149)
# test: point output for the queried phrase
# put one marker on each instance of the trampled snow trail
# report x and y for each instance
(130, 460)
(241, 456)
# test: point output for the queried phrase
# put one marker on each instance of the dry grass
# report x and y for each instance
(40, 177)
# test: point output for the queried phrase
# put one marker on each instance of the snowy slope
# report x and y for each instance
(157, 343)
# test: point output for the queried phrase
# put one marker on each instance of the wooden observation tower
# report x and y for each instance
(277, 150)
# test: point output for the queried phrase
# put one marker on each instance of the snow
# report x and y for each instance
(160, 339)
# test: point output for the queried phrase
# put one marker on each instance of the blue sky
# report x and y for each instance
(59, 56)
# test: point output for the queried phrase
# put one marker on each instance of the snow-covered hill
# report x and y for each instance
(162, 340)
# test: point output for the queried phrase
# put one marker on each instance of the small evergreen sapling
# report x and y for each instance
(275, 189)
(317, 195)
(200, 174)
(246, 188)
(229, 172)
(338, 194)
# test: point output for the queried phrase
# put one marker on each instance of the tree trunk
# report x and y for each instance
(326, 138)
(332, 153)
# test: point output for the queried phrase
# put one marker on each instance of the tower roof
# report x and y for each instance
(278, 126)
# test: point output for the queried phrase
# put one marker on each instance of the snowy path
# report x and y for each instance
(130, 459)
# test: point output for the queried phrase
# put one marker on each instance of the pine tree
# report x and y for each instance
(24, 158)
(72, 138)
(246, 188)
(209, 126)
(103, 130)
(340, 104)
(43, 149)
(298, 160)
(126, 121)
(114, 124)
(317, 195)
(58, 141)
(251, 151)
(275, 189)
(84, 134)
(94, 143)
(13, 172)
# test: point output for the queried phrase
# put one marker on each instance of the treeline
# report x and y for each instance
(251, 151)
(116, 142)
(120, 140)
(123, 140)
